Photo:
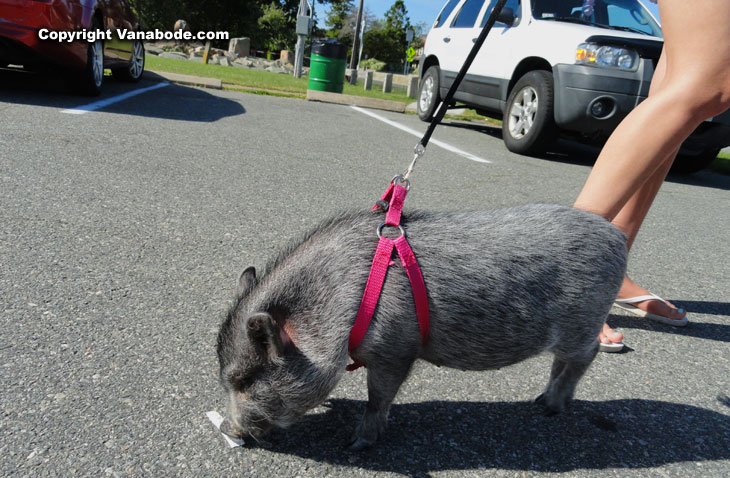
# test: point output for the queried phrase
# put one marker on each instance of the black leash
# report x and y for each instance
(421, 146)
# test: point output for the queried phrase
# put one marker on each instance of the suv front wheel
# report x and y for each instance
(428, 94)
(528, 126)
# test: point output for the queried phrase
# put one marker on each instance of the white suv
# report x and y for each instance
(554, 66)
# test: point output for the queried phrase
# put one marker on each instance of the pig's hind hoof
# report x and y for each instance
(548, 411)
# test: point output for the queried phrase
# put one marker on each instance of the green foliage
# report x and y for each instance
(275, 28)
(373, 64)
(239, 18)
(389, 43)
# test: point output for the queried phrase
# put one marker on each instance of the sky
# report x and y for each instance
(426, 10)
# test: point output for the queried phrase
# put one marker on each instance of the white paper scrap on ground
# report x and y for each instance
(217, 419)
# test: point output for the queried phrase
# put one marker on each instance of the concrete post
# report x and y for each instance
(368, 80)
(351, 73)
(388, 83)
(412, 86)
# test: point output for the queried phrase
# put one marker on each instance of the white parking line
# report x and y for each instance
(83, 109)
(419, 134)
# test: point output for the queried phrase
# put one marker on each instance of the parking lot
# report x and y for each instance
(125, 227)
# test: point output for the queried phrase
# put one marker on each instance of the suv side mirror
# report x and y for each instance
(506, 16)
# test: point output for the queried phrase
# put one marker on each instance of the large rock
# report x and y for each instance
(173, 55)
(243, 63)
(153, 50)
(224, 61)
(287, 57)
(239, 47)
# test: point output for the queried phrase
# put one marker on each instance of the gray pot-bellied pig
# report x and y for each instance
(502, 286)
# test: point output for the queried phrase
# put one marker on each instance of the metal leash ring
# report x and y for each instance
(401, 179)
(383, 224)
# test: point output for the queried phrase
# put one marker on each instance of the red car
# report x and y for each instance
(23, 24)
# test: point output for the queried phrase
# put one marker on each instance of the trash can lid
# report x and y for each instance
(329, 49)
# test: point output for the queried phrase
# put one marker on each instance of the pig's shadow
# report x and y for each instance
(437, 436)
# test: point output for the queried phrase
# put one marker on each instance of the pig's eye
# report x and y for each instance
(246, 382)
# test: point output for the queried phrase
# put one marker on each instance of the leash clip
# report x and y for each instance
(419, 151)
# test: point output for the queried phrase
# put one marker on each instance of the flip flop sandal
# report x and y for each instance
(611, 348)
(626, 304)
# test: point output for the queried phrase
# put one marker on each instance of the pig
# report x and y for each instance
(502, 286)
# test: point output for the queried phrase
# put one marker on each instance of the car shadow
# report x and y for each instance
(573, 152)
(430, 437)
(173, 102)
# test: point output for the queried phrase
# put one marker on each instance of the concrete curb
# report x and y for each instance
(188, 80)
(340, 99)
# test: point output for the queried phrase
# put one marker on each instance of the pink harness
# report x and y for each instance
(394, 195)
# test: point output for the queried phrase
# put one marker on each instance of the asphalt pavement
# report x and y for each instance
(124, 230)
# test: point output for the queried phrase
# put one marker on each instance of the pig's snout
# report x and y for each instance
(231, 429)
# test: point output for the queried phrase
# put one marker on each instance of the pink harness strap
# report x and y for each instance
(395, 194)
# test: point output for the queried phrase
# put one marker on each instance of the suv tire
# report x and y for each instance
(528, 126)
(428, 94)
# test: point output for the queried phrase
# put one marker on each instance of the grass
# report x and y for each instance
(261, 82)
(721, 164)
(472, 115)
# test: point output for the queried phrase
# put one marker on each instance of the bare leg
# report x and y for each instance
(635, 160)
(694, 88)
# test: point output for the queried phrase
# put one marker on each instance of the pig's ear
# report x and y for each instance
(247, 281)
(264, 334)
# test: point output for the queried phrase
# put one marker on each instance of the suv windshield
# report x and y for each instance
(624, 15)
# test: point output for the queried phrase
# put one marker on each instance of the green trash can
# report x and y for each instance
(327, 66)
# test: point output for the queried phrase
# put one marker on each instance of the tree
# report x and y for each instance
(276, 29)
(339, 12)
(389, 43)
(240, 19)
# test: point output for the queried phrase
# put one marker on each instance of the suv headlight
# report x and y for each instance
(606, 56)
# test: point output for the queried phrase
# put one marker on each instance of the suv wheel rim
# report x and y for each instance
(426, 94)
(98, 61)
(523, 111)
(137, 63)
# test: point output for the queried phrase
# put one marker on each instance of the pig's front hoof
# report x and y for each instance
(547, 410)
(360, 444)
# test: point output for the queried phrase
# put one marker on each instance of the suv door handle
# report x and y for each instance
(474, 40)
(447, 39)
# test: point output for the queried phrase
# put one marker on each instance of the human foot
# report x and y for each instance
(640, 302)
(610, 340)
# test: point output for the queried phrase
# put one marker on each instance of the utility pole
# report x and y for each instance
(304, 28)
(355, 43)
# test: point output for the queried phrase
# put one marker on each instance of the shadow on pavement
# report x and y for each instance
(576, 153)
(700, 330)
(422, 438)
(172, 102)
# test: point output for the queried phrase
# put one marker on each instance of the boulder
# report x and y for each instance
(239, 47)
(287, 57)
(173, 55)
(153, 50)
(182, 25)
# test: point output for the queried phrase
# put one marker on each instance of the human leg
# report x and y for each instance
(638, 156)
(695, 86)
